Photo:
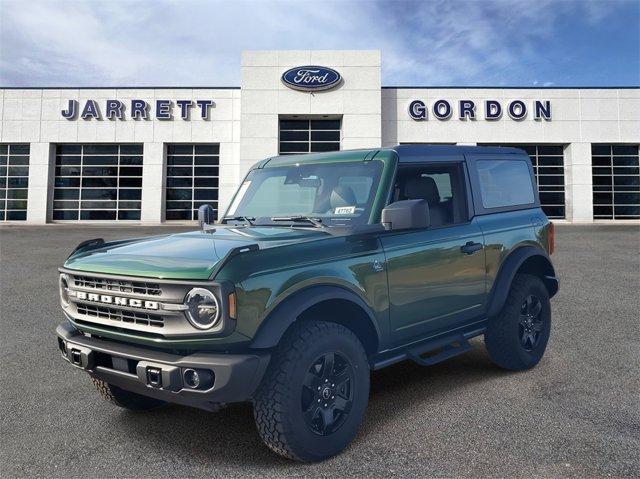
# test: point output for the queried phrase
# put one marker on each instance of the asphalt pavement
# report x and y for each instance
(577, 414)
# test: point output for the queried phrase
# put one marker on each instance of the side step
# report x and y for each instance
(444, 349)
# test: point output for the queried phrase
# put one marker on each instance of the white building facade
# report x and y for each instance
(154, 155)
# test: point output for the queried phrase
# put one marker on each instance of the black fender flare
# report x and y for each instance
(287, 312)
(508, 270)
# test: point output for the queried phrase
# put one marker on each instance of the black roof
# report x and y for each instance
(408, 151)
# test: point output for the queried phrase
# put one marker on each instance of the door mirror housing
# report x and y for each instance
(206, 215)
(406, 214)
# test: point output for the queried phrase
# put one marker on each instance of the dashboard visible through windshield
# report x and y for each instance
(328, 194)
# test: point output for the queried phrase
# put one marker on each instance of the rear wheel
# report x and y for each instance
(125, 399)
(312, 399)
(517, 337)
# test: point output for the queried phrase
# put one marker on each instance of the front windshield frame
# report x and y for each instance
(365, 211)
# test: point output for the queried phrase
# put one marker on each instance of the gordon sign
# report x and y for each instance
(137, 109)
(311, 78)
(491, 109)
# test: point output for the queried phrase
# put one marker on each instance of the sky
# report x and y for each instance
(427, 43)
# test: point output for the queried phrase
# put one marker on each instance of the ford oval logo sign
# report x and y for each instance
(311, 78)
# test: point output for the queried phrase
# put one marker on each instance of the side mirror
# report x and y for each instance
(406, 214)
(206, 215)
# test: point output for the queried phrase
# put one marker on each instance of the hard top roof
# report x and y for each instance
(406, 152)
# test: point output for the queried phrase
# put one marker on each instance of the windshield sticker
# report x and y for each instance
(236, 201)
(345, 210)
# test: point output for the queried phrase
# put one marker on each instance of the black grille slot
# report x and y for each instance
(132, 317)
(117, 285)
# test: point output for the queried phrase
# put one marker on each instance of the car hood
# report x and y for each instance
(192, 255)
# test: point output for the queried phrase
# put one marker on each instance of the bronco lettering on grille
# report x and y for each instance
(117, 300)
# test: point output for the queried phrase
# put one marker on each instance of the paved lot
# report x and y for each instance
(577, 414)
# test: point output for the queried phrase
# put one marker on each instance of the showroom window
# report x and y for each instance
(548, 167)
(192, 180)
(616, 182)
(309, 136)
(14, 182)
(97, 182)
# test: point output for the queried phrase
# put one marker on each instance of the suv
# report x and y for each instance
(323, 268)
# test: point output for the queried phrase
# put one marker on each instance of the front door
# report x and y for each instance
(436, 275)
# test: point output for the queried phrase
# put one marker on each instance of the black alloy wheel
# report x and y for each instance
(327, 393)
(530, 322)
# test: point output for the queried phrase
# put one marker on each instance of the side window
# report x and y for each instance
(504, 183)
(442, 185)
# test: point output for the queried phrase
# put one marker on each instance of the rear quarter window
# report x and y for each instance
(504, 183)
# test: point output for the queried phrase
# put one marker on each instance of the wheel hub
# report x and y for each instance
(531, 322)
(327, 393)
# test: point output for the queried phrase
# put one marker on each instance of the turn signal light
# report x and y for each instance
(552, 237)
(232, 305)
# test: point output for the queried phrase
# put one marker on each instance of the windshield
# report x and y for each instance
(334, 194)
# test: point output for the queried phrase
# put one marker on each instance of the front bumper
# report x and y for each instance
(232, 378)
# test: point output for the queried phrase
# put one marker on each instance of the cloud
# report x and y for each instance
(191, 43)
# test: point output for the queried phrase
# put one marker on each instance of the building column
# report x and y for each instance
(153, 183)
(578, 183)
(41, 177)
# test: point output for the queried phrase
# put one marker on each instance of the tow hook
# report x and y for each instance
(154, 377)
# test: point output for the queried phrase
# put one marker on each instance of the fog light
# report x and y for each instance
(191, 378)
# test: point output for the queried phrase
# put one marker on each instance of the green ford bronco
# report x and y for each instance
(323, 268)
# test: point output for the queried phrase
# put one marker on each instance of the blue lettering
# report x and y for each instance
(467, 110)
(205, 106)
(492, 110)
(114, 109)
(442, 109)
(418, 110)
(517, 110)
(163, 110)
(184, 108)
(139, 109)
(72, 110)
(90, 110)
(542, 110)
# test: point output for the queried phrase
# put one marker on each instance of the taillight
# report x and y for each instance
(552, 238)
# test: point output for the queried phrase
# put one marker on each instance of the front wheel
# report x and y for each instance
(517, 337)
(312, 399)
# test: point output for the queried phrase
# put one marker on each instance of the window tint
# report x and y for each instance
(338, 193)
(441, 185)
(504, 183)
(274, 197)
(361, 186)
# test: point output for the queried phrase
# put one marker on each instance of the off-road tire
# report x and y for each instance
(503, 335)
(125, 399)
(278, 403)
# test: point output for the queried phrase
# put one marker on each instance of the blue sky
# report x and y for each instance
(198, 43)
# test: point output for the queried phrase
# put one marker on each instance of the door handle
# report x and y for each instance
(470, 247)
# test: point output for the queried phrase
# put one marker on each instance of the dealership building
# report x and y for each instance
(153, 155)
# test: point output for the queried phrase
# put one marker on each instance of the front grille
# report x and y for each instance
(132, 317)
(117, 285)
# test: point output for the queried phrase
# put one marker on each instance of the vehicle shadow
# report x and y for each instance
(229, 437)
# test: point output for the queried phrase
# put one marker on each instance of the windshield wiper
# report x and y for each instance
(317, 222)
(239, 218)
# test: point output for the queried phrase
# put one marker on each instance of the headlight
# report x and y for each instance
(63, 284)
(203, 310)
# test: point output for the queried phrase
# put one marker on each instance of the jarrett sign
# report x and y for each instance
(487, 109)
(137, 109)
